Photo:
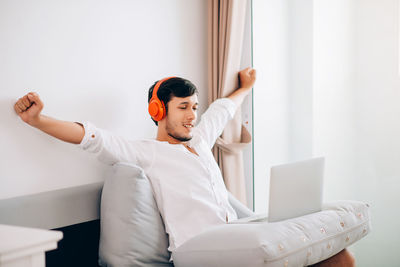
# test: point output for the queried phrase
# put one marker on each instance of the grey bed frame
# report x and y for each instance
(75, 211)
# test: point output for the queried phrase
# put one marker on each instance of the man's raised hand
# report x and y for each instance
(247, 77)
(29, 107)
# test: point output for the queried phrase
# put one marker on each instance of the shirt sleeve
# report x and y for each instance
(214, 120)
(107, 147)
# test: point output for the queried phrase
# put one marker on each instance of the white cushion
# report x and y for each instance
(300, 241)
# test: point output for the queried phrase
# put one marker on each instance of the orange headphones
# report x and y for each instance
(156, 106)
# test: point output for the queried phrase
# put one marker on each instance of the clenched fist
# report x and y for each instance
(29, 107)
(247, 77)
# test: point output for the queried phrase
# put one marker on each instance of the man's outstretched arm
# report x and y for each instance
(247, 78)
(221, 111)
(29, 108)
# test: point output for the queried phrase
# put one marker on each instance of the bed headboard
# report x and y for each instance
(53, 209)
(75, 211)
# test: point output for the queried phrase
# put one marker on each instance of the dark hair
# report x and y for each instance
(176, 86)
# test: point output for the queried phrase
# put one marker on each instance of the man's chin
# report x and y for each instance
(181, 138)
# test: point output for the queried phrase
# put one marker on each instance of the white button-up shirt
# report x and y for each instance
(189, 189)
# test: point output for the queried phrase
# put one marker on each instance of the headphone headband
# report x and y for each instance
(158, 84)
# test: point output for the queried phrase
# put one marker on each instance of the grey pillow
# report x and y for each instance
(132, 231)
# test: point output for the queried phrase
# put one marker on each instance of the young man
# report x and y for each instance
(186, 180)
(187, 183)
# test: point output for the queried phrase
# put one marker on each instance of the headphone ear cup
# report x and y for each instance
(156, 109)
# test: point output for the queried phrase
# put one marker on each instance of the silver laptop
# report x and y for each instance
(295, 190)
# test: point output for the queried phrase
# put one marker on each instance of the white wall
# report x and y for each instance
(356, 96)
(377, 179)
(334, 74)
(301, 79)
(349, 112)
(271, 99)
(89, 60)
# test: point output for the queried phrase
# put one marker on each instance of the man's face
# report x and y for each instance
(181, 117)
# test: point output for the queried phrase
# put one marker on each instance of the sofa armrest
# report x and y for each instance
(298, 241)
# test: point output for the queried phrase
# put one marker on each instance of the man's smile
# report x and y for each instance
(188, 125)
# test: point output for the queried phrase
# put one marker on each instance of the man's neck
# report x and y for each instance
(163, 136)
(166, 137)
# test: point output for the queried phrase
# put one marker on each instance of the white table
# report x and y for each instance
(26, 247)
